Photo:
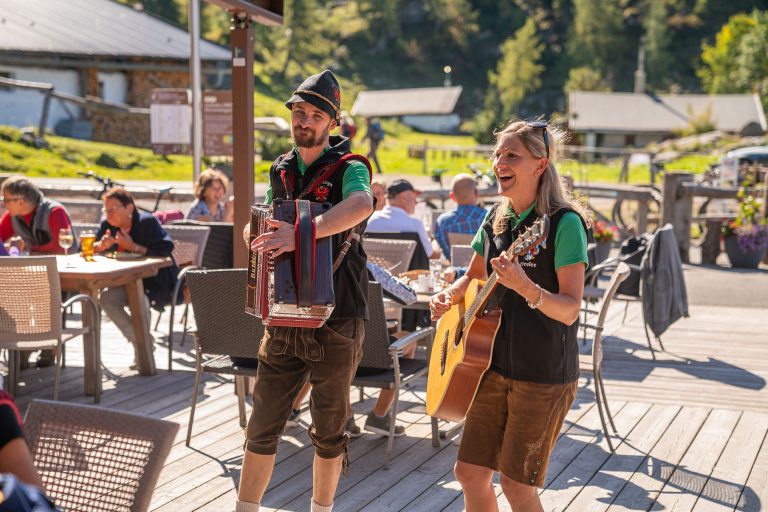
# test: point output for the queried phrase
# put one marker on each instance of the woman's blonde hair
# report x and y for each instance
(206, 179)
(552, 194)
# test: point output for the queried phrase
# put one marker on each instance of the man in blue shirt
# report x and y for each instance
(466, 218)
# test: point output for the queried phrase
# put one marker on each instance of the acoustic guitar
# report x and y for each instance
(463, 343)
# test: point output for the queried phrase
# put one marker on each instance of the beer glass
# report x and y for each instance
(87, 238)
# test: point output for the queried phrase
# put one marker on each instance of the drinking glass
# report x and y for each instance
(66, 239)
(87, 239)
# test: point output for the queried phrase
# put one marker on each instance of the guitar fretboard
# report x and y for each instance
(522, 244)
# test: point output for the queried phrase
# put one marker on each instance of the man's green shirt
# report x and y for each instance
(356, 177)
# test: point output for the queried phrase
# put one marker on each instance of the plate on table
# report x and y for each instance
(412, 275)
(127, 255)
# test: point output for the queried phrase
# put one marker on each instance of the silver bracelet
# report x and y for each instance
(538, 302)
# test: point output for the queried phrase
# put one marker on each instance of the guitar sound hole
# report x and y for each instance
(443, 352)
(458, 334)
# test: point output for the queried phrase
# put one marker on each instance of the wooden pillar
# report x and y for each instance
(676, 208)
(241, 35)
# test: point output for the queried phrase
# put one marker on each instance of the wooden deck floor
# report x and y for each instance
(692, 429)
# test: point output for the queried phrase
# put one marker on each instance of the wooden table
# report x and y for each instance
(92, 277)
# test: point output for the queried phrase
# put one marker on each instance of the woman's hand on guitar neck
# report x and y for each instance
(440, 303)
(510, 274)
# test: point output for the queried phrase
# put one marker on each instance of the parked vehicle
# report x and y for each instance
(733, 161)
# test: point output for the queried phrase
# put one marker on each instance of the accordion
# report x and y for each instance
(294, 289)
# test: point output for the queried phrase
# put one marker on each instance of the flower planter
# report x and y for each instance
(602, 250)
(739, 259)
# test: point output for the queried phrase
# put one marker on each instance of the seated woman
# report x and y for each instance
(128, 230)
(209, 205)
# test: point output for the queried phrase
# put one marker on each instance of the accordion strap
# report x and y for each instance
(353, 235)
(304, 254)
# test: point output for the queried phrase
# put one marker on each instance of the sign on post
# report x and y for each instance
(170, 116)
(217, 123)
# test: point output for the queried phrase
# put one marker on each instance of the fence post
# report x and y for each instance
(44, 115)
(426, 148)
(676, 208)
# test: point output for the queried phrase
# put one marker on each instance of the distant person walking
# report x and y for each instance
(374, 135)
(348, 127)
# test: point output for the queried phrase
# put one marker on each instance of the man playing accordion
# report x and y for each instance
(327, 356)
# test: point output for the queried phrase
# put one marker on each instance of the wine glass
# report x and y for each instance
(66, 240)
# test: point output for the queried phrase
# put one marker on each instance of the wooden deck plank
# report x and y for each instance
(569, 483)
(599, 492)
(367, 463)
(644, 485)
(755, 495)
(684, 486)
(726, 483)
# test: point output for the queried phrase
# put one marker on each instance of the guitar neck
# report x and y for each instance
(489, 287)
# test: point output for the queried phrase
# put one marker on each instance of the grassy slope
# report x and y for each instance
(66, 157)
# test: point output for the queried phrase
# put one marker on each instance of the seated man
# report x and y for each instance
(37, 221)
(396, 215)
(32, 217)
(466, 218)
(127, 230)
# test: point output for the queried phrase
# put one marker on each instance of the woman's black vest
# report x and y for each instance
(529, 345)
(350, 281)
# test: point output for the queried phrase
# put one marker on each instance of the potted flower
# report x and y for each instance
(604, 236)
(746, 238)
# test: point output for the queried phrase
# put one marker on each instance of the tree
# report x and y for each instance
(585, 79)
(599, 40)
(517, 74)
(737, 61)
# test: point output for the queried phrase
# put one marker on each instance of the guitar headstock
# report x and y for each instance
(532, 240)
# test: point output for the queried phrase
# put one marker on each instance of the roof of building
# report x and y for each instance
(94, 28)
(401, 102)
(637, 113)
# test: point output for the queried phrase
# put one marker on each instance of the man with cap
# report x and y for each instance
(328, 355)
(396, 216)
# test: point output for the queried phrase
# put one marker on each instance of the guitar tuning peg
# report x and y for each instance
(528, 257)
(543, 244)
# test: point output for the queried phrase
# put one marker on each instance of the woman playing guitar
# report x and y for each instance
(515, 418)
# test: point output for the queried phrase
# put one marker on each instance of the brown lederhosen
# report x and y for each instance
(513, 425)
(328, 356)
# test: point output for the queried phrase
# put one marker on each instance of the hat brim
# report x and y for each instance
(317, 102)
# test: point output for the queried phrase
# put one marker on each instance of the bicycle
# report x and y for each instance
(484, 175)
(108, 183)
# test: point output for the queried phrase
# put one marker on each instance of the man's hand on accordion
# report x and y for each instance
(281, 239)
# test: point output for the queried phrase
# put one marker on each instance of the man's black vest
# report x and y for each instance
(529, 345)
(350, 281)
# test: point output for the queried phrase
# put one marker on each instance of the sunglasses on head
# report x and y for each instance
(543, 125)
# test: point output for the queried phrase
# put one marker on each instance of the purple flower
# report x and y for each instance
(752, 238)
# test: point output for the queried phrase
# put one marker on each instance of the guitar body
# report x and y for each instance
(461, 354)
